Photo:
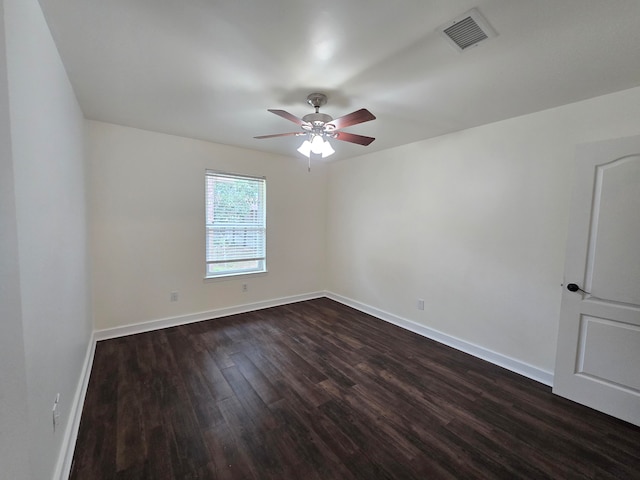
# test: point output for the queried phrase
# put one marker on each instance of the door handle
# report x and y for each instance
(573, 287)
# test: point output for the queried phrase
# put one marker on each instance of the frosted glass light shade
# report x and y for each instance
(316, 144)
(305, 148)
(327, 149)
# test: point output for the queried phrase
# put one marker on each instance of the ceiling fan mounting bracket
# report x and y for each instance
(316, 100)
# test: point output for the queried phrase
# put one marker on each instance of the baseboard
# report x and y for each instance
(65, 458)
(509, 363)
(198, 317)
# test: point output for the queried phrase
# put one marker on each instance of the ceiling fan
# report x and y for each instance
(318, 127)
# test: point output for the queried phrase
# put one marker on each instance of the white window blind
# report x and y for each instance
(235, 224)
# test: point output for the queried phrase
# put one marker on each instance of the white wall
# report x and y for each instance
(13, 384)
(473, 222)
(47, 140)
(147, 225)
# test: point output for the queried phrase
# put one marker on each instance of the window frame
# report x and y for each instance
(261, 224)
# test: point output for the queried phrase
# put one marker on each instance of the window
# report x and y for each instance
(235, 224)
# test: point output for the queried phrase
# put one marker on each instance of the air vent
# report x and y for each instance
(467, 30)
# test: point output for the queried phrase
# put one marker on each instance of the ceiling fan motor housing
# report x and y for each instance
(316, 120)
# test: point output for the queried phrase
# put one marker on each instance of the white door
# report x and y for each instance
(598, 356)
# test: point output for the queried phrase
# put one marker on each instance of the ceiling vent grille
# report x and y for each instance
(467, 30)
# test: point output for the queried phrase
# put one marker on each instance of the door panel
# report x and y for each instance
(597, 360)
(614, 238)
(598, 356)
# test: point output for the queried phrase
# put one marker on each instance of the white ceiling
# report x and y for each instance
(209, 69)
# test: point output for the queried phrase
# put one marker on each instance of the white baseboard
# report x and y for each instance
(198, 317)
(65, 458)
(509, 363)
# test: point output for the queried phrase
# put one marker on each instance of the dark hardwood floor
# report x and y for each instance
(316, 390)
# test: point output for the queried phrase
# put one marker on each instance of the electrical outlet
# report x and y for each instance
(54, 411)
(245, 287)
(420, 304)
(174, 296)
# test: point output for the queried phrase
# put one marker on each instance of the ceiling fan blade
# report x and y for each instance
(353, 138)
(288, 116)
(353, 118)
(279, 135)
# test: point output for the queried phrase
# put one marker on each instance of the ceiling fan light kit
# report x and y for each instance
(318, 128)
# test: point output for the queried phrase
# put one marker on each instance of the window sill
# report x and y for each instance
(231, 276)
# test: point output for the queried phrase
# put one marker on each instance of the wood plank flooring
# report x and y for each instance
(317, 390)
